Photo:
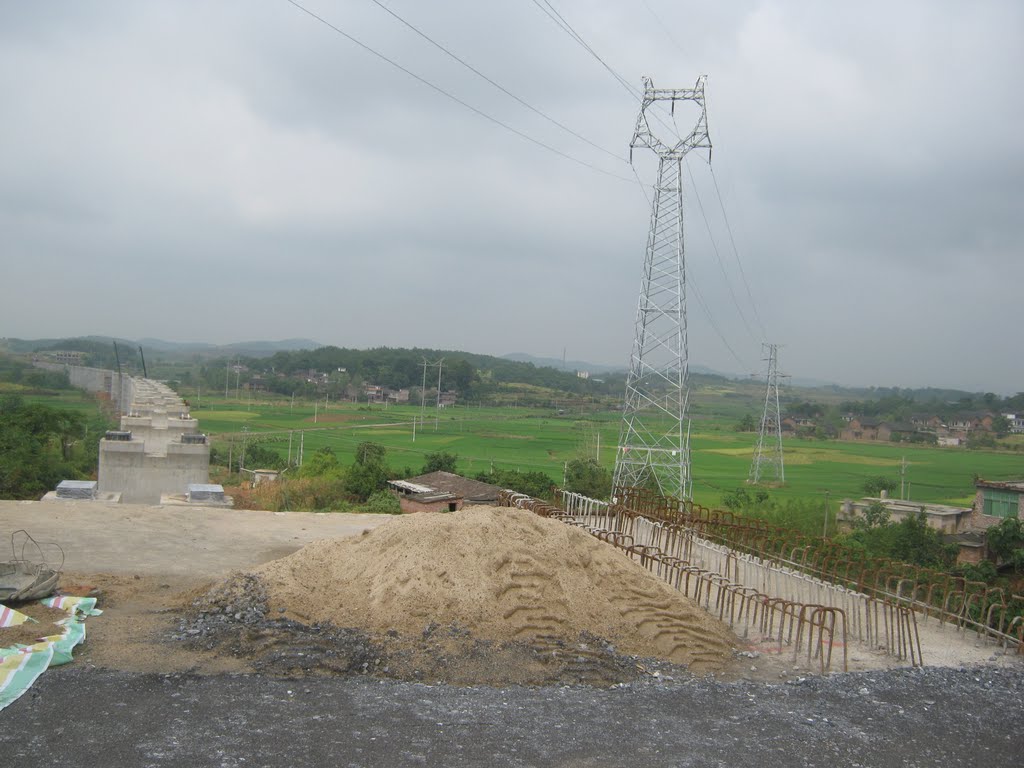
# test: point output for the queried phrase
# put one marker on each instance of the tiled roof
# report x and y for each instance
(470, 490)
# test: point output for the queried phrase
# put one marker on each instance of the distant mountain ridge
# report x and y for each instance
(580, 365)
(248, 348)
(556, 363)
(284, 345)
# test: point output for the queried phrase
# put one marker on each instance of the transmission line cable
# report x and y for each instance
(664, 26)
(718, 255)
(552, 13)
(735, 251)
(707, 312)
(455, 98)
(640, 183)
(559, 20)
(500, 87)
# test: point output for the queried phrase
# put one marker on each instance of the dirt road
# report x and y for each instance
(193, 542)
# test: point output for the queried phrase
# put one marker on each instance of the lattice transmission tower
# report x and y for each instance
(768, 454)
(654, 441)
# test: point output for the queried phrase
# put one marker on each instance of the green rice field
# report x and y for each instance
(531, 439)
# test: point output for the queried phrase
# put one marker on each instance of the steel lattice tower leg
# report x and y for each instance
(768, 454)
(653, 448)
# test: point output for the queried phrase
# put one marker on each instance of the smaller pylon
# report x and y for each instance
(768, 454)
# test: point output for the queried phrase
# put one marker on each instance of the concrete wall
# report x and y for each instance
(154, 462)
(411, 505)
(90, 379)
(142, 477)
(158, 431)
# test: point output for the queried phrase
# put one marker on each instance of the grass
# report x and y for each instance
(541, 439)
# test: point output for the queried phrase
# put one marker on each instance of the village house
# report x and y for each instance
(962, 423)
(996, 500)
(942, 517)
(861, 428)
(442, 492)
(958, 525)
(1016, 422)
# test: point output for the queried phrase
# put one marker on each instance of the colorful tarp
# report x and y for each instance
(20, 665)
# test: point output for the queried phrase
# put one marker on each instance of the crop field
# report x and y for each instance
(531, 439)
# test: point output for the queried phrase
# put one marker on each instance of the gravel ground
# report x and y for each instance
(932, 717)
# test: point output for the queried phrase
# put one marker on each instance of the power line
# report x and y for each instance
(566, 27)
(453, 97)
(714, 326)
(664, 26)
(739, 262)
(500, 87)
(718, 256)
(552, 13)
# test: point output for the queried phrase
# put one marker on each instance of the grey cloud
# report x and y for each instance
(286, 183)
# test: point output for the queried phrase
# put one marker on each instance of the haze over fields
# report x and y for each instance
(211, 172)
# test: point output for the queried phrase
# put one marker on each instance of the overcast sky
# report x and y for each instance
(227, 171)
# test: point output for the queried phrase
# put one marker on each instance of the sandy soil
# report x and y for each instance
(152, 568)
(500, 574)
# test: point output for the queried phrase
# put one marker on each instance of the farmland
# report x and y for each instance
(530, 439)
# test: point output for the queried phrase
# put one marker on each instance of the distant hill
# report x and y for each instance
(248, 348)
(101, 347)
(570, 365)
(580, 365)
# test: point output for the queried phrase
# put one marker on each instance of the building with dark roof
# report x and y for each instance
(442, 492)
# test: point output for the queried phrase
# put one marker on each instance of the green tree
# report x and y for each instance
(322, 462)
(369, 473)
(911, 540)
(588, 477)
(363, 480)
(1006, 542)
(536, 484)
(440, 461)
(875, 516)
(742, 500)
(461, 375)
(383, 503)
(746, 424)
(917, 542)
(370, 453)
(875, 485)
(36, 447)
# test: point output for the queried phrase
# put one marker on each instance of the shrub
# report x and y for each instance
(383, 503)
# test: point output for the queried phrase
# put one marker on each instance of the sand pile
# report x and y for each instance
(500, 574)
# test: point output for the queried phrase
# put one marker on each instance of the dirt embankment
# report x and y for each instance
(484, 596)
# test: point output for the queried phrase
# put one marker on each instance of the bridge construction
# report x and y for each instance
(785, 593)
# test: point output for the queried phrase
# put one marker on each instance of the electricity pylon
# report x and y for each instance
(768, 454)
(654, 440)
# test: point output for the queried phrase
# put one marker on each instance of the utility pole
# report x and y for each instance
(768, 453)
(903, 478)
(423, 390)
(440, 364)
(120, 383)
(227, 378)
(653, 440)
